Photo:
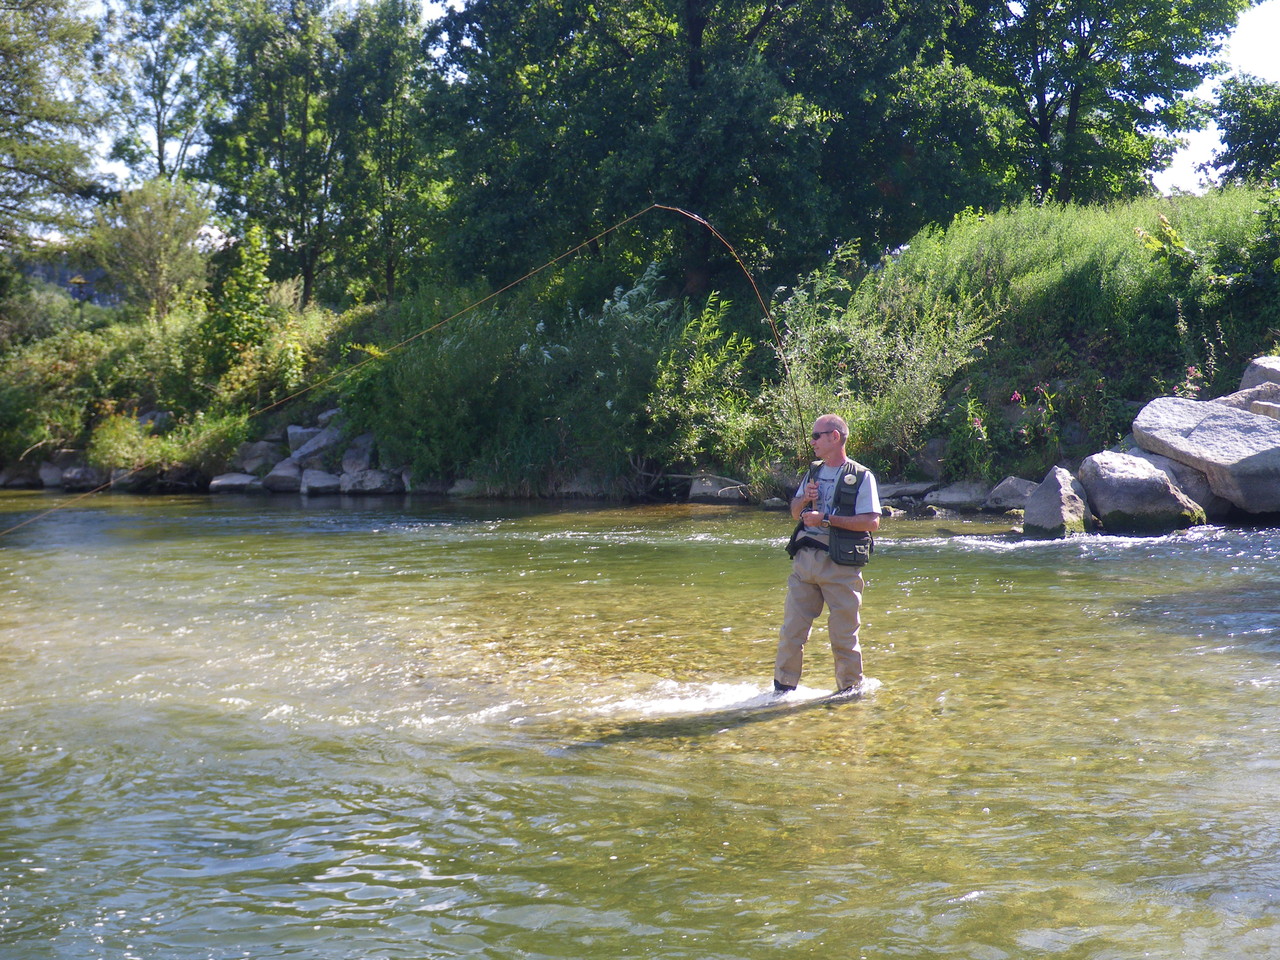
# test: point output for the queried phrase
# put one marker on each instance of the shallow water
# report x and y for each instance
(408, 729)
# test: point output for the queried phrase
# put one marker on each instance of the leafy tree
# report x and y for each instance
(273, 157)
(383, 189)
(162, 59)
(148, 242)
(1101, 86)
(1248, 117)
(760, 116)
(44, 120)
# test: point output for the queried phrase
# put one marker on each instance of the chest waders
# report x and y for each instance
(852, 548)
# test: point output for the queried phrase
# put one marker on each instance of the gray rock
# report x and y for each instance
(1131, 495)
(1243, 399)
(285, 477)
(50, 475)
(966, 495)
(77, 479)
(1057, 507)
(1239, 452)
(318, 483)
(255, 456)
(906, 491)
(1189, 480)
(21, 477)
(298, 437)
(465, 487)
(582, 485)
(235, 483)
(1261, 370)
(1265, 408)
(328, 416)
(359, 455)
(1009, 494)
(317, 444)
(371, 482)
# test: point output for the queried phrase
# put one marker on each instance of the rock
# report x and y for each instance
(328, 416)
(50, 475)
(1261, 370)
(966, 495)
(317, 483)
(371, 482)
(708, 488)
(1243, 399)
(1189, 480)
(316, 444)
(77, 479)
(298, 437)
(931, 458)
(235, 483)
(774, 503)
(905, 491)
(21, 476)
(1265, 409)
(887, 512)
(1131, 495)
(465, 488)
(1009, 494)
(359, 455)
(255, 456)
(1239, 452)
(1057, 507)
(582, 485)
(285, 477)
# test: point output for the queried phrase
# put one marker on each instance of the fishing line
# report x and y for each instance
(382, 353)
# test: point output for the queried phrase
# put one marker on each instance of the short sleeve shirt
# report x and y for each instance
(868, 494)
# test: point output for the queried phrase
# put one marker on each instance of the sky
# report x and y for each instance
(1254, 48)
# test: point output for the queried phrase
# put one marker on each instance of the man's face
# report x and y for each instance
(827, 440)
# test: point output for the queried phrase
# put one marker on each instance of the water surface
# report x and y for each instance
(412, 729)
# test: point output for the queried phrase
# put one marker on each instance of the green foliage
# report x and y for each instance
(44, 116)
(240, 320)
(1248, 117)
(119, 442)
(148, 242)
(881, 354)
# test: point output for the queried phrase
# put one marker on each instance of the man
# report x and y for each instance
(835, 493)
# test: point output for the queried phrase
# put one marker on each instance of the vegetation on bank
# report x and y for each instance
(1003, 342)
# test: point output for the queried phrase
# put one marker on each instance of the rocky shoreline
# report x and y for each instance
(1187, 462)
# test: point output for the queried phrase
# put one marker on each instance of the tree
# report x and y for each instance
(1248, 117)
(163, 57)
(273, 157)
(44, 120)
(148, 242)
(566, 117)
(1102, 87)
(383, 190)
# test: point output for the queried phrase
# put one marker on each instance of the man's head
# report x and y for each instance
(829, 435)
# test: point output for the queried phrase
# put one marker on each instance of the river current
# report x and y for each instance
(404, 729)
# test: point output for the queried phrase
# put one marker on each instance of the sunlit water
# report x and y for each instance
(254, 728)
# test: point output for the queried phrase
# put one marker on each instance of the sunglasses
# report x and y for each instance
(818, 433)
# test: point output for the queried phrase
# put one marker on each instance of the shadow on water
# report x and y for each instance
(697, 725)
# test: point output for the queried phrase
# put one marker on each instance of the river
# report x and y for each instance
(408, 729)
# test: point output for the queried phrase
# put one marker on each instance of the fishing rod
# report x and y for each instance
(382, 353)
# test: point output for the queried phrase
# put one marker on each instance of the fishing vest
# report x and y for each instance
(846, 547)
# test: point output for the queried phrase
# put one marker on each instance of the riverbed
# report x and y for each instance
(404, 728)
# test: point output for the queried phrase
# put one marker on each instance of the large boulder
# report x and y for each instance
(253, 456)
(1239, 452)
(1261, 370)
(1131, 495)
(317, 444)
(82, 478)
(1189, 480)
(235, 483)
(1057, 507)
(708, 488)
(1011, 493)
(318, 483)
(966, 495)
(371, 482)
(285, 477)
(359, 455)
(1245, 399)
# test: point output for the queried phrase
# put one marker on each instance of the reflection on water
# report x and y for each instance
(244, 728)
